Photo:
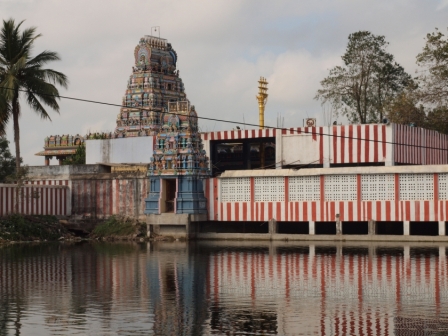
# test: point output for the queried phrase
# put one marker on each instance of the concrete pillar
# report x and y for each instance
(372, 227)
(311, 227)
(406, 227)
(272, 226)
(442, 228)
(338, 226)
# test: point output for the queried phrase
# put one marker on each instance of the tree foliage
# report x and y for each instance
(24, 75)
(368, 80)
(404, 109)
(433, 61)
(7, 160)
(78, 158)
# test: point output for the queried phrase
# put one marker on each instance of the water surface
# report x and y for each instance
(223, 288)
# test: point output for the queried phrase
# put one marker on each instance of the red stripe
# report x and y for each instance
(375, 143)
(408, 210)
(426, 207)
(262, 212)
(342, 144)
(350, 143)
(252, 197)
(244, 211)
(383, 140)
(237, 211)
(297, 212)
(305, 211)
(278, 215)
(358, 142)
(229, 211)
(321, 146)
(436, 197)
(367, 144)
(335, 145)
(313, 211)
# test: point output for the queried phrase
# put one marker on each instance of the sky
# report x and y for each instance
(223, 48)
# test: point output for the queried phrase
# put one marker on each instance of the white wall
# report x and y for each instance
(121, 150)
(299, 149)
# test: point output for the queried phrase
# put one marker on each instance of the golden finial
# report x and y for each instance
(262, 99)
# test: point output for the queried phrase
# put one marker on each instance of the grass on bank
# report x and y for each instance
(119, 227)
(18, 227)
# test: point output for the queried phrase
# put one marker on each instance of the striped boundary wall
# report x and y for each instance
(101, 198)
(35, 199)
(385, 210)
(347, 144)
(419, 137)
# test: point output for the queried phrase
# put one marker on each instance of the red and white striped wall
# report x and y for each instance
(35, 200)
(350, 144)
(426, 146)
(354, 210)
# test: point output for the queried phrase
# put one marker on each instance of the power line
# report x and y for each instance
(235, 122)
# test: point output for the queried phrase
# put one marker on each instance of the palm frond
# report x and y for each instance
(43, 58)
(34, 103)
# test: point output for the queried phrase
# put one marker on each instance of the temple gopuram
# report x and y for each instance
(60, 147)
(153, 83)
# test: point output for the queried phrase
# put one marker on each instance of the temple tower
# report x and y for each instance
(153, 83)
(179, 163)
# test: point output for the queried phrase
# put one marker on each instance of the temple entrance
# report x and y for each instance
(170, 192)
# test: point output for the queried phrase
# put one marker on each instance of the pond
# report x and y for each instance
(224, 288)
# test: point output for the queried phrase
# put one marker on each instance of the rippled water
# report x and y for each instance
(223, 288)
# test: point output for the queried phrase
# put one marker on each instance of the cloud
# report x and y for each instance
(223, 48)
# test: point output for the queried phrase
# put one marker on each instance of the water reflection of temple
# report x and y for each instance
(175, 288)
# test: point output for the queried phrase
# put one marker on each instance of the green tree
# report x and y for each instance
(433, 61)
(437, 119)
(21, 74)
(78, 158)
(24, 75)
(369, 78)
(7, 161)
(404, 109)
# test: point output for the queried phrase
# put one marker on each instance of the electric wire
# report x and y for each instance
(232, 122)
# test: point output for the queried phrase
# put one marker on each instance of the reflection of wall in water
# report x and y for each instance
(382, 282)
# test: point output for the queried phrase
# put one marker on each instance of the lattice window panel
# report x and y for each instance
(340, 188)
(304, 188)
(235, 189)
(443, 186)
(416, 186)
(269, 189)
(379, 187)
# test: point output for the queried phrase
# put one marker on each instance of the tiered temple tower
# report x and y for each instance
(179, 162)
(153, 83)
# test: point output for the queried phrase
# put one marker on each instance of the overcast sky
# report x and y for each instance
(223, 48)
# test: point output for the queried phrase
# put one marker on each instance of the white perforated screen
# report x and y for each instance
(269, 189)
(340, 188)
(235, 189)
(379, 187)
(416, 186)
(304, 188)
(443, 186)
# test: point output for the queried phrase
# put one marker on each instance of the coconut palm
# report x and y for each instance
(23, 76)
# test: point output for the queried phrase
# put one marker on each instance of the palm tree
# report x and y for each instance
(23, 75)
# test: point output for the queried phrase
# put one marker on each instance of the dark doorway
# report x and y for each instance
(325, 228)
(293, 227)
(170, 185)
(389, 228)
(355, 228)
(424, 228)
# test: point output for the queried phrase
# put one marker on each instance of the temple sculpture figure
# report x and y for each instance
(61, 147)
(153, 83)
(179, 164)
